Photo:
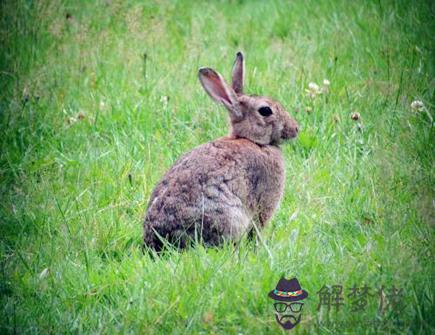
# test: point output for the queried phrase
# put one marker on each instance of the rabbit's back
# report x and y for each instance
(214, 192)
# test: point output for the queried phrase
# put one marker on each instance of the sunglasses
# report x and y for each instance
(295, 307)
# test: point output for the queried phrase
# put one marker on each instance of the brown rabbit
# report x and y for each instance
(221, 189)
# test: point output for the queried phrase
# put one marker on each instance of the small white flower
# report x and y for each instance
(164, 100)
(325, 88)
(313, 87)
(313, 90)
(417, 105)
(70, 120)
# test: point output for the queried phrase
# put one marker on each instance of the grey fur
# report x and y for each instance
(219, 189)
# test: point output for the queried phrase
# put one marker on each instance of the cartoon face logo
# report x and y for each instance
(288, 306)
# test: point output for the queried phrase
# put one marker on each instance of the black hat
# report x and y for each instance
(288, 290)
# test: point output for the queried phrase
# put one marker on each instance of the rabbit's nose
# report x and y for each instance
(294, 131)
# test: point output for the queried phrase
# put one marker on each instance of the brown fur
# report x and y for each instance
(220, 188)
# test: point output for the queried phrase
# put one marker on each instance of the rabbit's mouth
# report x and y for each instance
(289, 132)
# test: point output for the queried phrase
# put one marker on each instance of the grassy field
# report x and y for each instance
(98, 100)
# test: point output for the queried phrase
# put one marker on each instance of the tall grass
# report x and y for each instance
(99, 98)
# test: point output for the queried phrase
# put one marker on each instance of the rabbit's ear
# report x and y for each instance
(238, 73)
(216, 87)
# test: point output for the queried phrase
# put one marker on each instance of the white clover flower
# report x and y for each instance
(70, 120)
(313, 90)
(325, 88)
(417, 105)
(313, 87)
(164, 100)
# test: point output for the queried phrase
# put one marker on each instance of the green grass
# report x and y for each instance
(86, 134)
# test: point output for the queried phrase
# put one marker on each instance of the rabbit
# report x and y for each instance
(220, 189)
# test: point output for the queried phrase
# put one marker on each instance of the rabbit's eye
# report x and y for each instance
(265, 111)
